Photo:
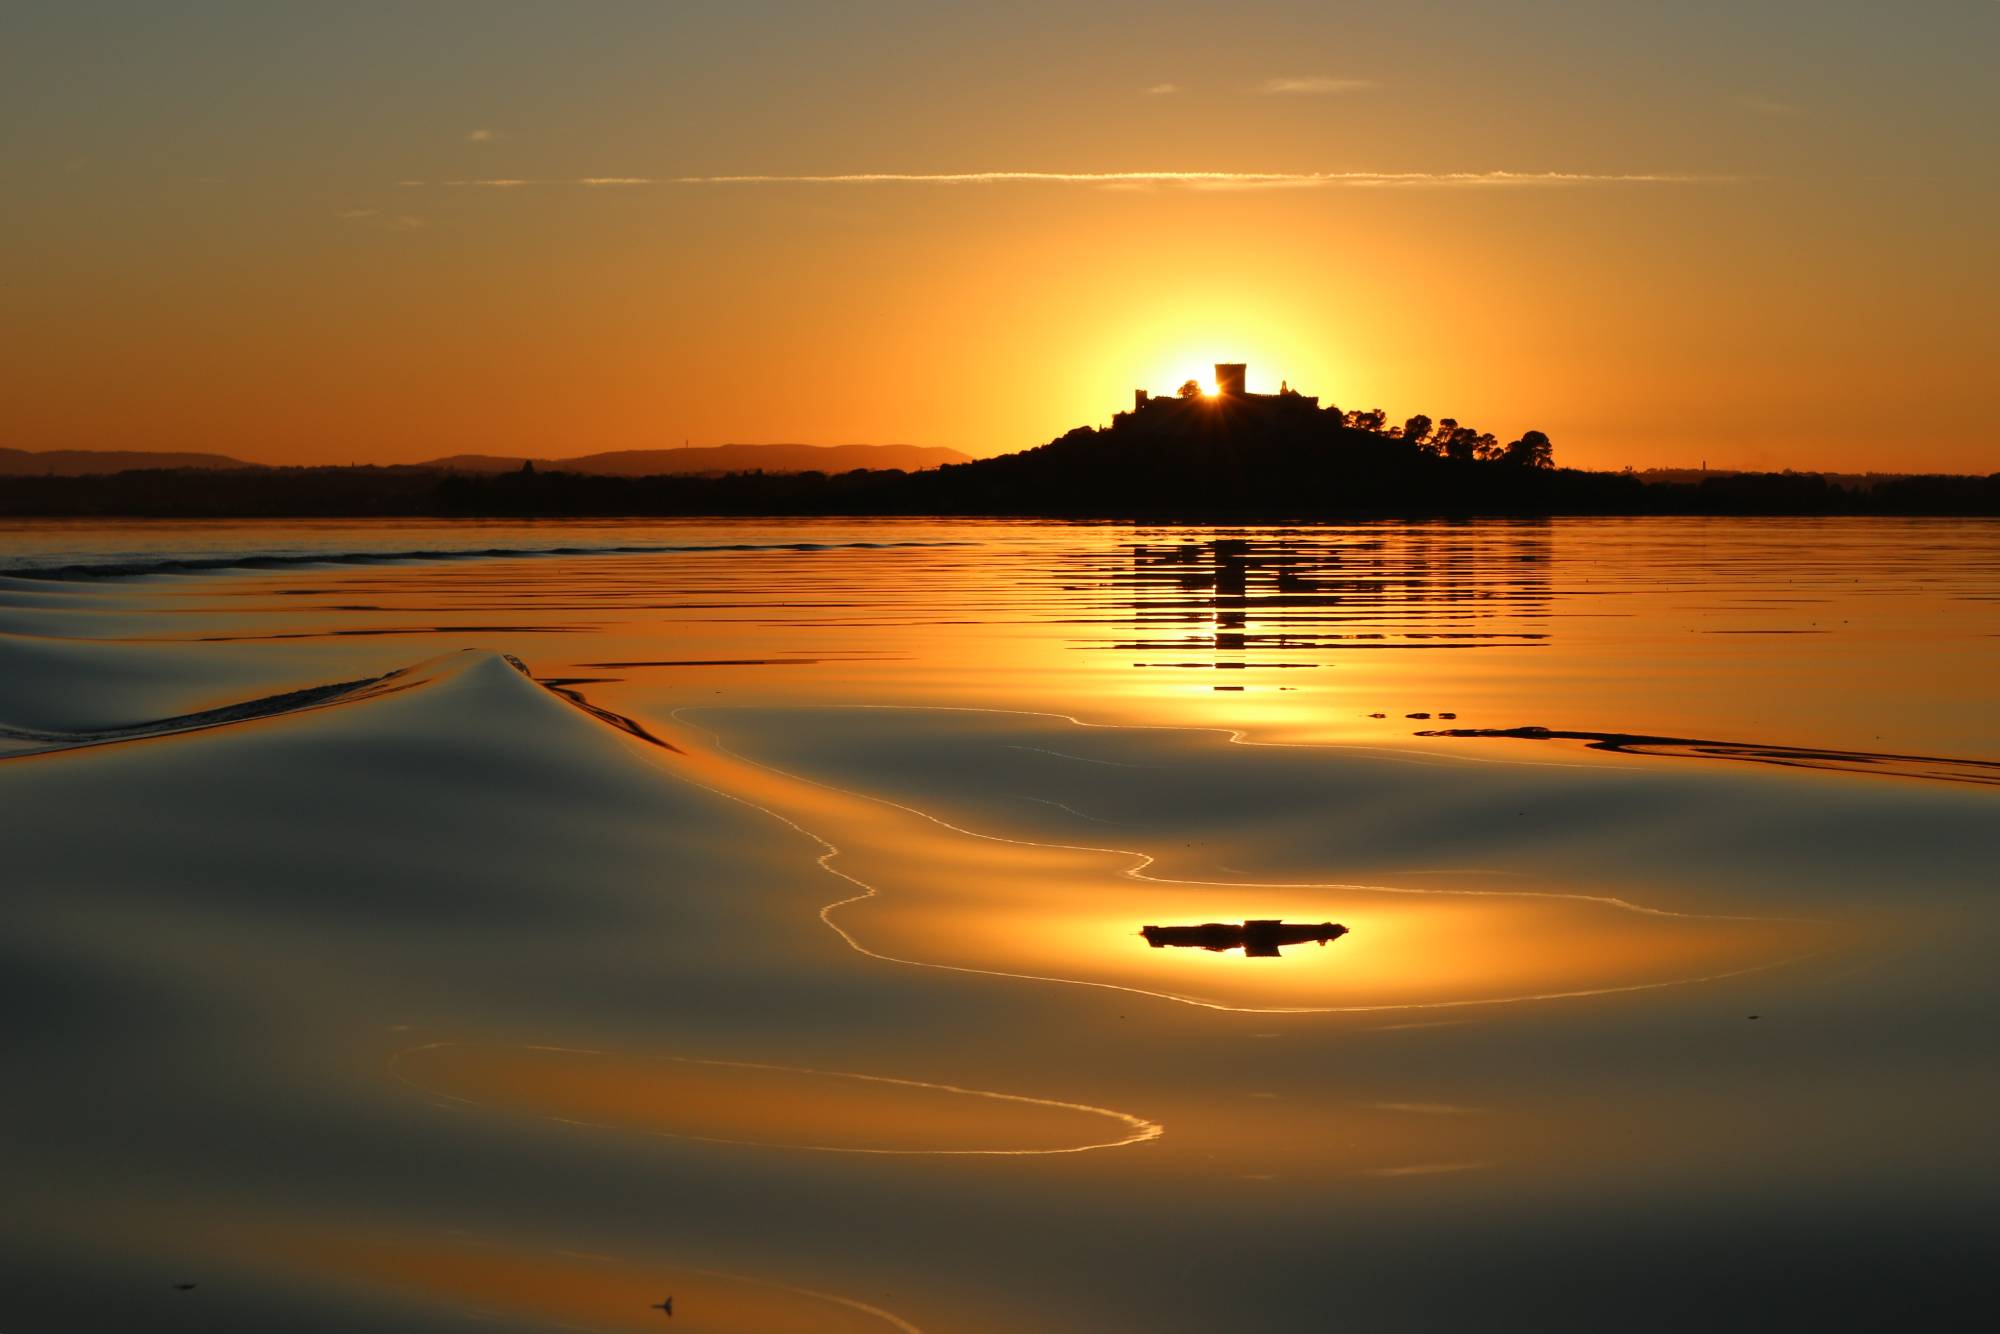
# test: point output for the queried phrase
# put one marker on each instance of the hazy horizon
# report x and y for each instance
(1861, 467)
(417, 457)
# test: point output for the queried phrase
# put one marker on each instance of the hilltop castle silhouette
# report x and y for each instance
(1229, 392)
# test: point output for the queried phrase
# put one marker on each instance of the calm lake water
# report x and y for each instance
(510, 926)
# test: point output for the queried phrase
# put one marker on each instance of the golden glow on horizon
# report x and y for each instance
(1033, 323)
(1685, 281)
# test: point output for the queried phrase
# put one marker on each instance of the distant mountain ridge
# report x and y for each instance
(718, 459)
(1202, 462)
(613, 463)
(93, 462)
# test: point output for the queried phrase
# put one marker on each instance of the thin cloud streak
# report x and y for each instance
(1213, 180)
(1317, 85)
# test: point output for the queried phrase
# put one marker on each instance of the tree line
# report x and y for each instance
(1445, 438)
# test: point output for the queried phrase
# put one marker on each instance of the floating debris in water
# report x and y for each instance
(1258, 938)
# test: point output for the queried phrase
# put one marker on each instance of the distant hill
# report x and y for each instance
(1224, 459)
(91, 462)
(717, 459)
(1244, 456)
(714, 459)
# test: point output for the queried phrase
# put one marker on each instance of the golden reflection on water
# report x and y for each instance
(1823, 633)
(930, 892)
(1345, 643)
(1130, 627)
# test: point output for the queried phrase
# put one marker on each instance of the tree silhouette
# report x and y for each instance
(1440, 435)
(1461, 443)
(1532, 450)
(1192, 389)
(1417, 430)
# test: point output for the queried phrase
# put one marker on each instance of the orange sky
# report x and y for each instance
(1662, 237)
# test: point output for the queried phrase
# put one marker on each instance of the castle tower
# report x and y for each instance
(1229, 377)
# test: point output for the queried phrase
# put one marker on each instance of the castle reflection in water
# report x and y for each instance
(1291, 598)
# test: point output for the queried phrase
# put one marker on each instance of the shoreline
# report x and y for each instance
(970, 491)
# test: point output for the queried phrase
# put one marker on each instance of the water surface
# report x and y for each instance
(510, 926)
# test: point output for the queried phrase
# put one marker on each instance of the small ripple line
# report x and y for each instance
(1141, 1129)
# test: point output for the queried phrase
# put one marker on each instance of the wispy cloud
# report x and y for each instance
(1312, 85)
(1210, 180)
(1163, 89)
(480, 136)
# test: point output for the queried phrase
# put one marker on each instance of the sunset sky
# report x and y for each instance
(1759, 233)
